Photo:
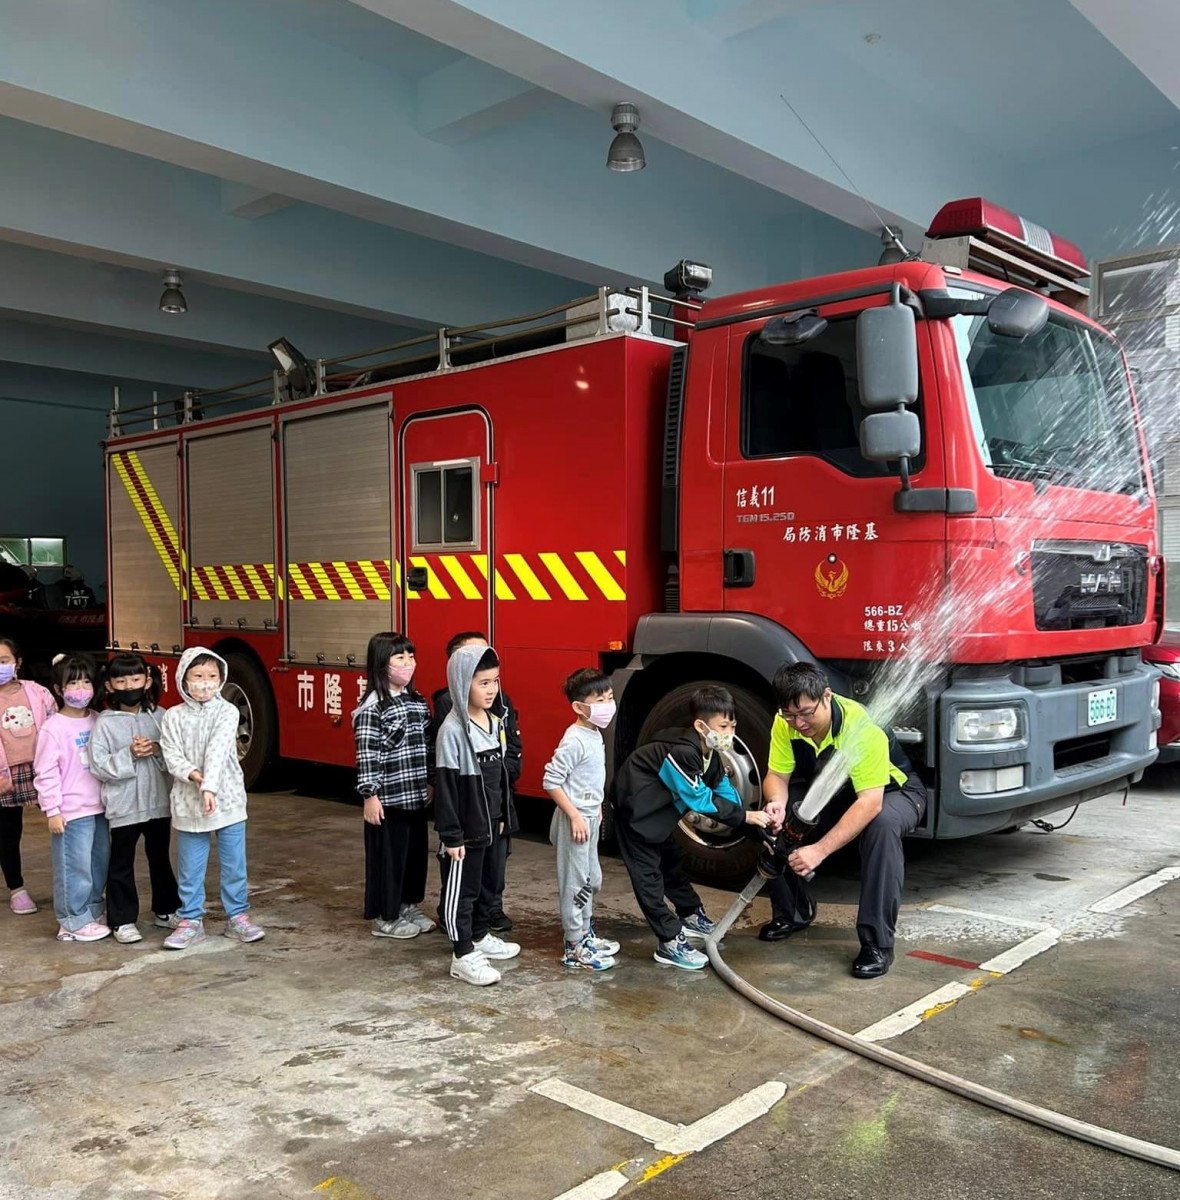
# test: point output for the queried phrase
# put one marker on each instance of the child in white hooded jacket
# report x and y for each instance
(199, 743)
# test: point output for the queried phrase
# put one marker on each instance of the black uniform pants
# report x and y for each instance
(501, 848)
(882, 862)
(122, 896)
(657, 872)
(12, 824)
(468, 893)
(396, 854)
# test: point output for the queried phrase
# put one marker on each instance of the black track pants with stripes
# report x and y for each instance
(468, 893)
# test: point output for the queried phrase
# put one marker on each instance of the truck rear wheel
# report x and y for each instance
(712, 852)
(248, 690)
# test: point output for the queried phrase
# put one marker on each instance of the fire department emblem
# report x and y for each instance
(831, 577)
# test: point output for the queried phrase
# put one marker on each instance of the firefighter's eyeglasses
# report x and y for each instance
(806, 714)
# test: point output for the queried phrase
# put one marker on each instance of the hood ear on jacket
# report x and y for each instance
(186, 660)
(462, 667)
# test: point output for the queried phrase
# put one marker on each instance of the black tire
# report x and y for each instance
(731, 863)
(258, 740)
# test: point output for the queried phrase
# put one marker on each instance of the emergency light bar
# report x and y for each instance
(997, 226)
(983, 236)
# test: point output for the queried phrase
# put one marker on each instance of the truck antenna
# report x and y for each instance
(886, 227)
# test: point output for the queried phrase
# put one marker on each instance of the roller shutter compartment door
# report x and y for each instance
(146, 574)
(336, 485)
(230, 497)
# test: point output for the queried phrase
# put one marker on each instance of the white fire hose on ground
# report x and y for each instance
(1163, 1156)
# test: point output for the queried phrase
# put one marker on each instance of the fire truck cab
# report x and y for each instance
(927, 476)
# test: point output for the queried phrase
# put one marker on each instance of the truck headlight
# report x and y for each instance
(1155, 695)
(987, 724)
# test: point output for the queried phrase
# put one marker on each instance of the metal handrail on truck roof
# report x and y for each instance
(450, 348)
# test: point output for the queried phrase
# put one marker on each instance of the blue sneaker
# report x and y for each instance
(680, 954)
(583, 954)
(697, 924)
(601, 945)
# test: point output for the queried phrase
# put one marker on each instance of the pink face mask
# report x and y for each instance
(602, 713)
(78, 697)
(401, 676)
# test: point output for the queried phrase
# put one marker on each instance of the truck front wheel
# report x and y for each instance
(248, 690)
(713, 853)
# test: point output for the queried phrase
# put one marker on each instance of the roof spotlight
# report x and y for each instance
(172, 300)
(295, 368)
(626, 151)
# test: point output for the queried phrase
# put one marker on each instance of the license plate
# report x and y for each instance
(1103, 706)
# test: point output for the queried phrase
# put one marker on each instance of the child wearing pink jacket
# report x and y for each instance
(72, 800)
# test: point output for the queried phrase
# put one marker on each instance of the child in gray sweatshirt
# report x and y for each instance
(575, 779)
(125, 757)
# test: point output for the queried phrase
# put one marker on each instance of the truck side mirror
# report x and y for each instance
(890, 436)
(887, 356)
(1016, 313)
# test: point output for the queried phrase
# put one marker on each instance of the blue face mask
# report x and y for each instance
(7, 673)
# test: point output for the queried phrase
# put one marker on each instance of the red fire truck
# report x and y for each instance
(687, 491)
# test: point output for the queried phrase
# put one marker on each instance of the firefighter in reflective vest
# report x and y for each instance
(876, 805)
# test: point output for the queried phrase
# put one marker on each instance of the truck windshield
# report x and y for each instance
(1053, 407)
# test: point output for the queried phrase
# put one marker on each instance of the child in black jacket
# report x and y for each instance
(679, 771)
(473, 809)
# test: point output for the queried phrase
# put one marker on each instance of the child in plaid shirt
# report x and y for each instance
(395, 770)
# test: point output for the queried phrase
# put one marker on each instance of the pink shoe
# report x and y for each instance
(242, 929)
(21, 903)
(94, 932)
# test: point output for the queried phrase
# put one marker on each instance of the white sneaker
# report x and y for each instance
(401, 928)
(474, 968)
(491, 946)
(413, 914)
(128, 934)
(166, 921)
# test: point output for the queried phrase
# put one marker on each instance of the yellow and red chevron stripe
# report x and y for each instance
(546, 575)
(549, 576)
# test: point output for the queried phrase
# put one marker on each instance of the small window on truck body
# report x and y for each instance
(445, 505)
(805, 400)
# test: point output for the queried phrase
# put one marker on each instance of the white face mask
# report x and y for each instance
(602, 713)
(715, 740)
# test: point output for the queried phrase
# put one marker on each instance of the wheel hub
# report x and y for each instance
(742, 771)
(241, 702)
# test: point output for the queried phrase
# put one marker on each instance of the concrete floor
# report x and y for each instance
(325, 1062)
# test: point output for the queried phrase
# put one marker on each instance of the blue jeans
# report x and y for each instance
(192, 857)
(80, 857)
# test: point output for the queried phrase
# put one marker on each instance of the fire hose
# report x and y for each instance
(773, 861)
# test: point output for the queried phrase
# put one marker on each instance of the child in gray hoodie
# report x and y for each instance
(200, 743)
(125, 757)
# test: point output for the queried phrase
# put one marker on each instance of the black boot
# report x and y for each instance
(872, 962)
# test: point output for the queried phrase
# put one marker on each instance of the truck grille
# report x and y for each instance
(1088, 585)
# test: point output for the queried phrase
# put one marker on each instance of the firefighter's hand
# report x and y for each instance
(374, 810)
(579, 829)
(457, 852)
(804, 860)
(57, 824)
(208, 803)
(776, 812)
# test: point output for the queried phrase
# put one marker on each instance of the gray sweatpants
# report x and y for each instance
(579, 877)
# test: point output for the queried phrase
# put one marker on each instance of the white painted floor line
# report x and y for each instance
(913, 1014)
(1022, 952)
(971, 912)
(1135, 891)
(651, 1129)
(597, 1187)
(726, 1120)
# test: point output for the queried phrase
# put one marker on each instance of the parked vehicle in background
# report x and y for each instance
(1165, 655)
(799, 472)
